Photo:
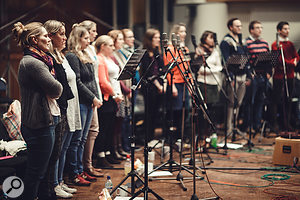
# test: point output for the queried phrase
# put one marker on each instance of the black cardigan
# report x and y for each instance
(85, 79)
(67, 92)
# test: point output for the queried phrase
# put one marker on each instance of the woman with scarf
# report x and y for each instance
(122, 125)
(209, 78)
(40, 113)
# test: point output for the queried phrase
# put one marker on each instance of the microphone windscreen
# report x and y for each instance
(240, 38)
(194, 42)
(277, 39)
(215, 38)
(164, 39)
(174, 40)
(178, 41)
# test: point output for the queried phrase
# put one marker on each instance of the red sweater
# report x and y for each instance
(290, 54)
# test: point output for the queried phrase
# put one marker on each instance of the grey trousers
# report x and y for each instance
(240, 90)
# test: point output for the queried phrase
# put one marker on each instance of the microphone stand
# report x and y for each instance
(228, 82)
(196, 94)
(146, 188)
(131, 71)
(286, 88)
(205, 65)
(171, 162)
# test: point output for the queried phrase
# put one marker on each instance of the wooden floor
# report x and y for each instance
(227, 184)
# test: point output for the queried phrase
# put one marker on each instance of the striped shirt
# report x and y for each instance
(255, 47)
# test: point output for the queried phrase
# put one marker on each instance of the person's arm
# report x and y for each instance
(295, 57)
(41, 76)
(225, 49)
(105, 84)
(124, 88)
(75, 64)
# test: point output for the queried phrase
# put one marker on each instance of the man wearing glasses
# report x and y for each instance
(257, 83)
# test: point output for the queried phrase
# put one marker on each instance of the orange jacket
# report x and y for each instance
(177, 78)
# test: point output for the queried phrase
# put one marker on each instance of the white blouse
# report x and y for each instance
(214, 62)
(73, 110)
(113, 73)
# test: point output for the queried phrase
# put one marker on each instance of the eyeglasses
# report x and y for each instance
(258, 27)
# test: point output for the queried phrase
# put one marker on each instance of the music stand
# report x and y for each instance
(269, 58)
(237, 62)
(265, 61)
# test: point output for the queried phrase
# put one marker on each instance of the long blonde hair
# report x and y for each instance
(24, 34)
(52, 27)
(74, 43)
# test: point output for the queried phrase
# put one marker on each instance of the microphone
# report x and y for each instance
(277, 40)
(164, 40)
(215, 39)
(240, 39)
(193, 38)
(174, 40)
(178, 42)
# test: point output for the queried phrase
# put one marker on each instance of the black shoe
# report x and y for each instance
(233, 138)
(103, 163)
(111, 159)
(122, 152)
(117, 156)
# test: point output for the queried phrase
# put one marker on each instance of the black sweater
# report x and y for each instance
(67, 92)
(85, 79)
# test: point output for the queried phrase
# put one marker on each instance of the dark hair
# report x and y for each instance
(230, 22)
(205, 35)
(147, 43)
(281, 24)
(251, 25)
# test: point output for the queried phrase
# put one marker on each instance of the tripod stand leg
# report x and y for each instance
(180, 178)
(154, 193)
(146, 191)
(194, 197)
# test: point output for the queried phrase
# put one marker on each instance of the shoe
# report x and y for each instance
(122, 152)
(88, 177)
(78, 180)
(94, 173)
(96, 169)
(111, 159)
(117, 156)
(67, 189)
(103, 163)
(61, 193)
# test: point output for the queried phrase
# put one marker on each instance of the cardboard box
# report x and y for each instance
(285, 151)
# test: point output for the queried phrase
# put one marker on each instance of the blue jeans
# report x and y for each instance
(79, 139)
(60, 164)
(39, 148)
(255, 97)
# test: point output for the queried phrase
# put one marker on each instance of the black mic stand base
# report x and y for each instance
(146, 190)
(194, 197)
